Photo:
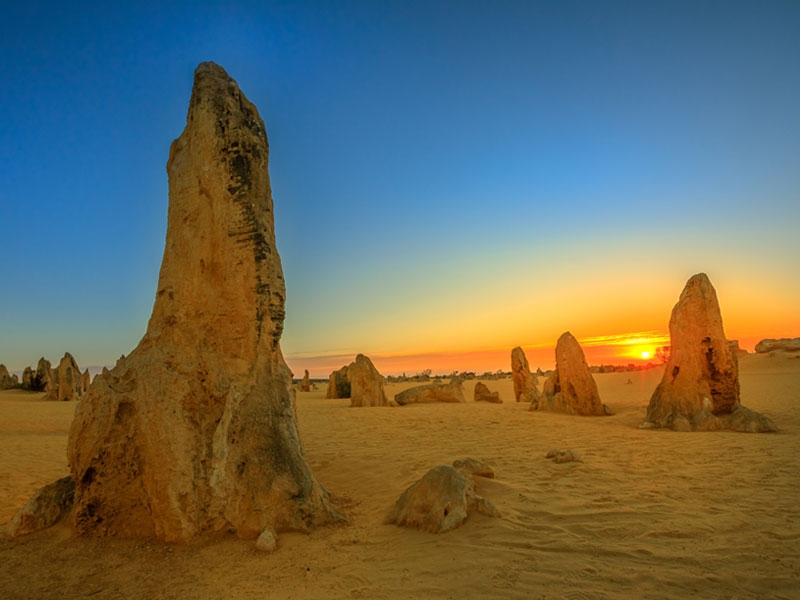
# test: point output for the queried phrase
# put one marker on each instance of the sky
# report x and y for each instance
(451, 179)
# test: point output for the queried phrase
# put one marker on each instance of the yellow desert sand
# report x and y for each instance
(646, 514)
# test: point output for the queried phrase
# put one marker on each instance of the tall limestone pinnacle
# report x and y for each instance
(194, 433)
(700, 387)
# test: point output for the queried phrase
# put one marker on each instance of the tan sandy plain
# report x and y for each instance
(648, 514)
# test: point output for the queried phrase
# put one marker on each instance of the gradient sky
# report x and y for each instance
(449, 177)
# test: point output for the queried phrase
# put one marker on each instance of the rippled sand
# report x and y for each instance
(647, 514)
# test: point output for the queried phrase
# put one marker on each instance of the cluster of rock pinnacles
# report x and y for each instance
(64, 382)
(194, 434)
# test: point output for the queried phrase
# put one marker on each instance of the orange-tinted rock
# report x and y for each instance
(66, 381)
(339, 384)
(570, 388)
(484, 394)
(194, 433)
(45, 508)
(781, 345)
(366, 383)
(305, 383)
(700, 386)
(6, 379)
(440, 501)
(435, 392)
(525, 384)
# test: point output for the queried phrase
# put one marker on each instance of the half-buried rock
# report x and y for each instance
(570, 388)
(194, 433)
(434, 392)
(700, 387)
(443, 498)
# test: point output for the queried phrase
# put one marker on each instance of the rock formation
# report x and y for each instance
(442, 499)
(86, 380)
(562, 456)
(45, 508)
(435, 392)
(700, 386)
(194, 433)
(483, 394)
(570, 388)
(366, 384)
(6, 379)
(525, 384)
(339, 384)
(66, 381)
(782, 345)
(305, 383)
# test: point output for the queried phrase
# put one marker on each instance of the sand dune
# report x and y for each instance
(648, 514)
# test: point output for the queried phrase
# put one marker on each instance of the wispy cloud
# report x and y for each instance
(627, 339)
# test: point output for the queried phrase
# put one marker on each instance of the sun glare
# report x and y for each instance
(646, 354)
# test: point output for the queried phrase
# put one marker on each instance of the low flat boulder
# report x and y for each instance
(782, 345)
(435, 392)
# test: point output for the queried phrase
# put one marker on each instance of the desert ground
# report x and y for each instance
(647, 514)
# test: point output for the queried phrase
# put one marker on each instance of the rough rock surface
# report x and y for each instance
(6, 379)
(440, 501)
(473, 467)
(525, 384)
(339, 384)
(700, 386)
(194, 433)
(562, 456)
(66, 381)
(45, 508)
(305, 383)
(366, 383)
(783, 344)
(570, 388)
(86, 380)
(483, 394)
(434, 392)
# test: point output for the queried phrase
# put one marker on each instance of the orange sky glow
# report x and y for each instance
(611, 349)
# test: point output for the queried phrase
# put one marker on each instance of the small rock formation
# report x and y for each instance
(339, 384)
(700, 387)
(434, 392)
(194, 433)
(782, 345)
(472, 467)
(305, 383)
(570, 388)
(67, 381)
(442, 499)
(562, 456)
(7, 380)
(525, 384)
(45, 508)
(483, 394)
(366, 383)
(86, 380)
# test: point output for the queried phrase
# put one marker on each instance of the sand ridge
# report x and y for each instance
(648, 514)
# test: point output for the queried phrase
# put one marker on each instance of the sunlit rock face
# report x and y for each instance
(524, 381)
(339, 384)
(366, 384)
(66, 380)
(700, 386)
(193, 434)
(483, 394)
(570, 388)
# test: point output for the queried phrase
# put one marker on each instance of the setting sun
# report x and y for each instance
(646, 354)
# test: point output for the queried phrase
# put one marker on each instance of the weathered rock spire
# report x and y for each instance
(194, 433)
(700, 387)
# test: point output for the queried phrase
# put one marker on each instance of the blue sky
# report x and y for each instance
(447, 176)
